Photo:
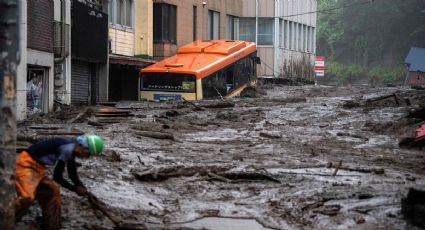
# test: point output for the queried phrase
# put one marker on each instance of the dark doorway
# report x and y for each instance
(37, 90)
(123, 83)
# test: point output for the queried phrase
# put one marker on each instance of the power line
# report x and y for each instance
(330, 9)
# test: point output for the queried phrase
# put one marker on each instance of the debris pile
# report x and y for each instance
(298, 157)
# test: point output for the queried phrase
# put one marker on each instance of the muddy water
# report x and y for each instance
(291, 133)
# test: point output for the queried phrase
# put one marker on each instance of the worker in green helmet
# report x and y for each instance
(32, 184)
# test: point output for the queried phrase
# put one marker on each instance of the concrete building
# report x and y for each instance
(41, 21)
(179, 22)
(285, 32)
(89, 52)
(51, 69)
(131, 46)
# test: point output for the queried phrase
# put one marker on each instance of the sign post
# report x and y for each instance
(319, 66)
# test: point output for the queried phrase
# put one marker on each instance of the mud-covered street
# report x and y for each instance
(295, 157)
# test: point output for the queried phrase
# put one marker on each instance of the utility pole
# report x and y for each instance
(9, 56)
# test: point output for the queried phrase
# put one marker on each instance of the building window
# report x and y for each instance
(195, 16)
(247, 29)
(291, 35)
(121, 12)
(127, 12)
(281, 32)
(305, 38)
(265, 31)
(213, 25)
(286, 34)
(164, 23)
(232, 27)
(300, 37)
(110, 11)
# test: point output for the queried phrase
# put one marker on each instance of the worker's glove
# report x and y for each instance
(81, 191)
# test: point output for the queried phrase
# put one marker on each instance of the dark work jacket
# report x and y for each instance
(58, 151)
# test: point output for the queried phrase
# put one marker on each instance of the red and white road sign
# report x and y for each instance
(319, 66)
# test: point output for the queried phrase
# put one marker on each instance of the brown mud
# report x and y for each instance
(293, 157)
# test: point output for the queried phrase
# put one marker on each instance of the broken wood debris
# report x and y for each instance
(82, 116)
(329, 210)
(166, 172)
(337, 168)
(378, 171)
(359, 102)
(214, 172)
(198, 108)
(44, 127)
(156, 135)
(94, 123)
(109, 112)
(380, 98)
(269, 135)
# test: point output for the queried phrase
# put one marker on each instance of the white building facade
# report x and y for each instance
(285, 33)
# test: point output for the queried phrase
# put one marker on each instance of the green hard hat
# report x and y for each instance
(95, 144)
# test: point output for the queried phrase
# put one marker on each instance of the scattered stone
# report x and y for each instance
(359, 219)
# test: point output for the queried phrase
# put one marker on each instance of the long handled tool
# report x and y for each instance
(119, 223)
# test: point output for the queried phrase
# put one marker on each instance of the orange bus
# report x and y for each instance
(201, 70)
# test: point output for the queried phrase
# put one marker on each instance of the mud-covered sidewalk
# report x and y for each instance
(296, 157)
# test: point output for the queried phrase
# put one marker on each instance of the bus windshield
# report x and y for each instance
(168, 82)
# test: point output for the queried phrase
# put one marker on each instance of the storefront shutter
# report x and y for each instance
(80, 83)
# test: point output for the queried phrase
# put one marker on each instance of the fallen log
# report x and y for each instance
(329, 165)
(354, 169)
(375, 99)
(156, 135)
(164, 173)
(378, 171)
(217, 172)
(44, 127)
(242, 175)
(269, 135)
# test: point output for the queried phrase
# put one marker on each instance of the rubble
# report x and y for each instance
(297, 157)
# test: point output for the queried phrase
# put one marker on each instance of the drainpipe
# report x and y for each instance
(256, 21)
(63, 21)
(276, 38)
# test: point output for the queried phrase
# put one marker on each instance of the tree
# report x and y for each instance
(8, 64)
(370, 32)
